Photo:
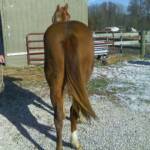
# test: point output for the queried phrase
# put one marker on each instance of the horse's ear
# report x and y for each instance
(58, 7)
(66, 6)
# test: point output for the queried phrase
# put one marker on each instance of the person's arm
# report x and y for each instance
(2, 59)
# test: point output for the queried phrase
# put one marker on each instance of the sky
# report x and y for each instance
(123, 2)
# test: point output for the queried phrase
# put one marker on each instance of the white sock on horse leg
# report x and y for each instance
(74, 139)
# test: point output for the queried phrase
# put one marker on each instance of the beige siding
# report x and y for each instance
(78, 9)
(22, 17)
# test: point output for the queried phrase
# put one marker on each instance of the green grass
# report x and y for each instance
(98, 86)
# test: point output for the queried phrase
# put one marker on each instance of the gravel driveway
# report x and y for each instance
(26, 116)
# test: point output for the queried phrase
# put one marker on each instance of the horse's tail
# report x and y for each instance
(74, 79)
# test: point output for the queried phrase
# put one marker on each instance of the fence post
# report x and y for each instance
(143, 43)
(121, 44)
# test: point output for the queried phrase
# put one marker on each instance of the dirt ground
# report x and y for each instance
(26, 115)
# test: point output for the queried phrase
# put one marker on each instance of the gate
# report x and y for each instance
(35, 48)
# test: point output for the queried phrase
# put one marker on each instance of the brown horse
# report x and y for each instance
(68, 62)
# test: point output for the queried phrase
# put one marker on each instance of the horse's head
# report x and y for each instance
(61, 14)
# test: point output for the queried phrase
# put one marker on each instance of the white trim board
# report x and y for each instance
(16, 54)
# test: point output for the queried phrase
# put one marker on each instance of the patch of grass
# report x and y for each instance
(98, 86)
(116, 90)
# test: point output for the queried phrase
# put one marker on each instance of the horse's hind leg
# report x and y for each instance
(56, 95)
(74, 115)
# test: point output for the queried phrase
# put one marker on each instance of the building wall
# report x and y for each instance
(22, 17)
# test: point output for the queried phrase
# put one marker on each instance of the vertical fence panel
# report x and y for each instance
(143, 43)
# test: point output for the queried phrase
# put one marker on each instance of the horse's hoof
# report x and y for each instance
(75, 144)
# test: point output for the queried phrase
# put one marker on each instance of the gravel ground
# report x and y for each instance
(26, 122)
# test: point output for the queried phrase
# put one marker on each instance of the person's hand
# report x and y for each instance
(2, 59)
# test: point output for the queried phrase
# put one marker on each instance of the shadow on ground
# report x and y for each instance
(14, 102)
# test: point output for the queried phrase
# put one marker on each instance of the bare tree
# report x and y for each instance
(106, 14)
(112, 14)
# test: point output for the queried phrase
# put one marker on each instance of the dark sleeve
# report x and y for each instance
(1, 47)
(1, 52)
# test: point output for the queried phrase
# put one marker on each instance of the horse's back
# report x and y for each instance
(63, 29)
